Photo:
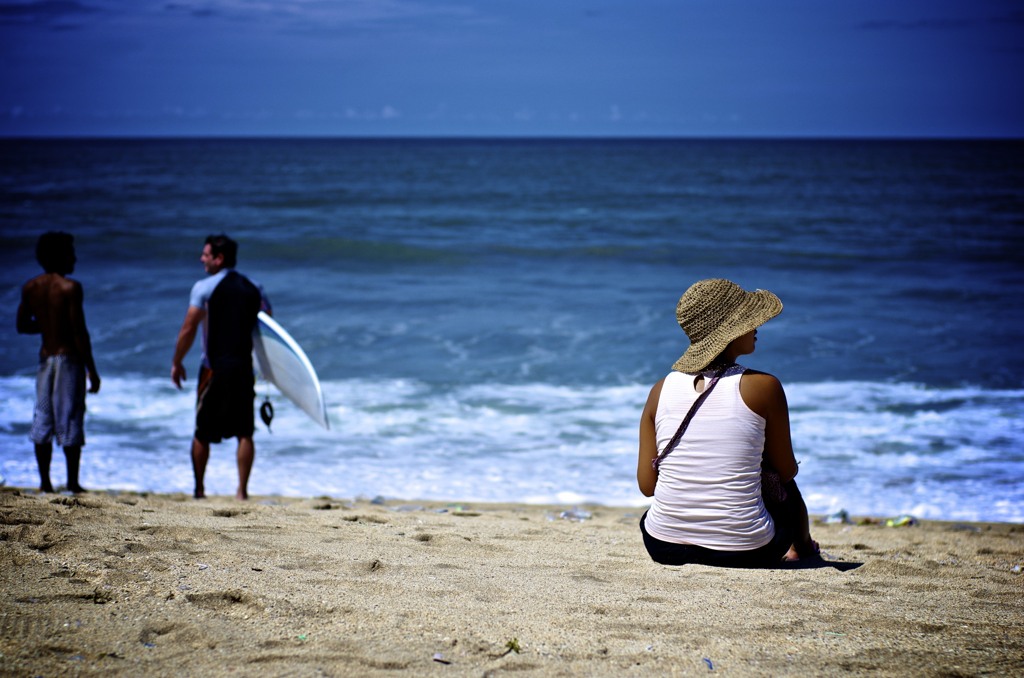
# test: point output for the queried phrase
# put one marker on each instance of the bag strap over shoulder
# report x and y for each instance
(689, 415)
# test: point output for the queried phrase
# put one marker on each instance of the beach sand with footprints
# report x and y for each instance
(130, 584)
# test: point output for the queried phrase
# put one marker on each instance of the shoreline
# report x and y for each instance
(124, 583)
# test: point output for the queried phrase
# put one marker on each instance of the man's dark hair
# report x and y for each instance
(55, 251)
(223, 245)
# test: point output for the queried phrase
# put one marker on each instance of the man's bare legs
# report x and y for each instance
(200, 455)
(72, 453)
(246, 454)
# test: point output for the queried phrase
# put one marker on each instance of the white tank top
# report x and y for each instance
(709, 488)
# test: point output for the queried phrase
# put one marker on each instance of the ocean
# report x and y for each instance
(487, 316)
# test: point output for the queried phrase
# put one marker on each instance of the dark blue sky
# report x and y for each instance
(513, 67)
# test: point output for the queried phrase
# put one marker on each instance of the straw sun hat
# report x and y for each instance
(714, 312)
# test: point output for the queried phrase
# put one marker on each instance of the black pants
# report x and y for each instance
(784, 515)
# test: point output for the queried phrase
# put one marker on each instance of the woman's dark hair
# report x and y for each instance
(55, 251)
(223, 245)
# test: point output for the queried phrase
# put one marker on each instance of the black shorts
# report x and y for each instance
(224, 405)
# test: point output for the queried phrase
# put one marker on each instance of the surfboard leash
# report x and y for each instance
(267, 409)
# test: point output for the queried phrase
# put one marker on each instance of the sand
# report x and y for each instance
(131, 584)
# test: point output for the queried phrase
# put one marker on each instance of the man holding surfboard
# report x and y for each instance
(225, 304)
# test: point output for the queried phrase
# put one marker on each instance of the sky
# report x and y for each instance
(687, 68)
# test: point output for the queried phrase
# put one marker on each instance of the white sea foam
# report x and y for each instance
(874, 449)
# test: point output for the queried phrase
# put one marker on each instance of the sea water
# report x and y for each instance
(488, 316)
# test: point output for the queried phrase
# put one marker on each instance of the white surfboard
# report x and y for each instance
(281, 361)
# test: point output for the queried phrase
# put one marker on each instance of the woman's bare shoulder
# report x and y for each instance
(655, 393)
(761, 378)
(761, 391)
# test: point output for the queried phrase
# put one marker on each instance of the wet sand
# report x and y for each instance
(161, 585)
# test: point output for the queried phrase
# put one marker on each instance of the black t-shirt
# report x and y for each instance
(231, 318)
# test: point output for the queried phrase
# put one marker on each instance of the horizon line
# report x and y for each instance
(502, 137)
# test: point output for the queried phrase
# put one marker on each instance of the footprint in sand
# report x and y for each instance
(222, 601)
(229, 513)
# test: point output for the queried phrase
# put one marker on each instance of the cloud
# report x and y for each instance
(321, 16)
(919, 24)
(295, 15)
(386, 112)
(44, 13)
(523, 115)
(1013, 18)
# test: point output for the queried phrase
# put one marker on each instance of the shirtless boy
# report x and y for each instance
(51, 305)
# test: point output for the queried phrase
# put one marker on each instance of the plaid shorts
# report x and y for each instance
(60, 402)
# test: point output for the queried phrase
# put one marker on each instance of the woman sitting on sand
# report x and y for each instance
(706, 430)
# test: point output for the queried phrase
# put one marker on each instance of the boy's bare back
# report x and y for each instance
(51, 306)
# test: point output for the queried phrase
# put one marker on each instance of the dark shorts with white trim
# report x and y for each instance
(224, 405)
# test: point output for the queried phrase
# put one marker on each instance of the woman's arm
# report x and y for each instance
(764, 394)
(646, 476)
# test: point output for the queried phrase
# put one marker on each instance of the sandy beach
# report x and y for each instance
(161, 585)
